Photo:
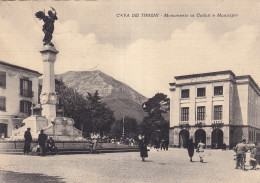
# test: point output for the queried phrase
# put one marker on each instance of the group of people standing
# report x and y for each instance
(241, 149)
(45, 143)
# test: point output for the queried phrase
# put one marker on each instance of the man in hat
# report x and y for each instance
(42, 138)
(27, 141)
(240, 149)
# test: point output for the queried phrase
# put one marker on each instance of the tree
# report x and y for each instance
(154, 126)
(89, 113)
(101, 117)
(130, 128)
(74, 105)
(156, 106)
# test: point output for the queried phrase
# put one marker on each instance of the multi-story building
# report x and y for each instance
(216, 108)
(19, 89)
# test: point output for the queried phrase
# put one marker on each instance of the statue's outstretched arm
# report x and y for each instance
(55, 13)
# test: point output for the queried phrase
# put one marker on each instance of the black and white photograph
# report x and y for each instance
(140, 91)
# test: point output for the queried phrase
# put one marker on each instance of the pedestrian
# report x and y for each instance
(224, 146)
(50, 146)
(42, 138)
(167, 143)
(143, 148)
(93, 145)
(253, 161)
(3, 136)
(27, 141)
(240, 150)
(162, 144)
(258, 153)
(200, 150)
(190, 149)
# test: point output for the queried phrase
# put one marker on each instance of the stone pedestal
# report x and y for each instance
(60, 128)
(48, 95)
(36, 123)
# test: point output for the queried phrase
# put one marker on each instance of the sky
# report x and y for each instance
(143, 52)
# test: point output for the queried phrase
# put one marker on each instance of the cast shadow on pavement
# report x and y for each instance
(199, 162)
(147, 161)
(14, 177)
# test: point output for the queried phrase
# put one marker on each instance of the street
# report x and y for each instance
(161, 166)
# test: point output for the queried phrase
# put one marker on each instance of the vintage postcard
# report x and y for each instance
(125, 91)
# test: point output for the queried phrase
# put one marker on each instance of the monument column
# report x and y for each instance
(48, 95)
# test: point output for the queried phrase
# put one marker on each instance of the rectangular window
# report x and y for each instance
(26, 88)
(3, 79)
(185, 93)
(2, 103)
(218, 112)
(25, 106)
(218, 90)
(185, 114)
(201, 113)
(201, 92)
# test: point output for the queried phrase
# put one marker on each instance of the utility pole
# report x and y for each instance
(123, 134)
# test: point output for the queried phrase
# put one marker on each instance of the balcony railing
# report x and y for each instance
(184, 122)
(200, 121)
(217, 122)
(27, 93)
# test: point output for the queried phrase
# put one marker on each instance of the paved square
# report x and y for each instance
(162, 166)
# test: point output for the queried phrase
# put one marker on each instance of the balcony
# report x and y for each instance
(217, 122)
(184, 123)
(200, 122)
(27, 93)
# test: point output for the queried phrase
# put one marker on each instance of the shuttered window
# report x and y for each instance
(26, 88)
(2, 103)
(25, 106)
(3, 79)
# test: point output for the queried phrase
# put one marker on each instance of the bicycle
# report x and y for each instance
(242, 162)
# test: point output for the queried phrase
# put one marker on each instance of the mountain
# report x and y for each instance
(119, 97)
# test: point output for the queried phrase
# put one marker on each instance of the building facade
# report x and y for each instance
(19, 89)
(214, 108)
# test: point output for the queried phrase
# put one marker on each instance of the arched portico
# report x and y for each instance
(200, 135)
(184, 138)
(217, 138)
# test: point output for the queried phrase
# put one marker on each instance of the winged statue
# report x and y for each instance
(48, 26)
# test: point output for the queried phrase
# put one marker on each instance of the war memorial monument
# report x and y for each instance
(60, 128)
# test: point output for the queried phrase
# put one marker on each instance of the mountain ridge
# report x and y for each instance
(118, 96)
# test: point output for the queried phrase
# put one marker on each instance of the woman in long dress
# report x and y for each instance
(200, 148)
(190, 149)
(143, 148)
